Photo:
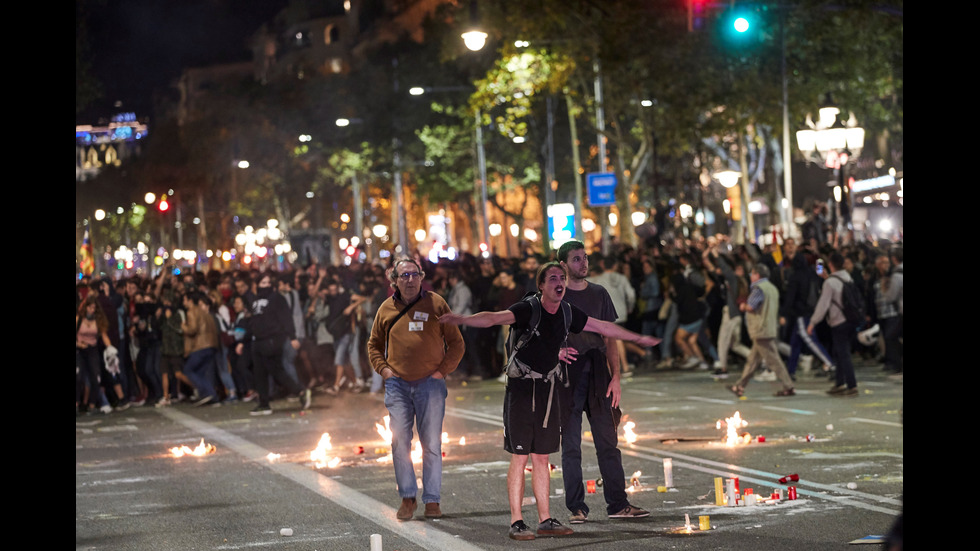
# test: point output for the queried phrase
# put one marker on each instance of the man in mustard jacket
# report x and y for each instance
(413, 352)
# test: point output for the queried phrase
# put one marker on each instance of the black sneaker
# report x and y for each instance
(551, 527)
(630, 512)
(578, 517)
(520, 531)
(261, 410)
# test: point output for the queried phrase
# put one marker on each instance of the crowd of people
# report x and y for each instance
(182, 337)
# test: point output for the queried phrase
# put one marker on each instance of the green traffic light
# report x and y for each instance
(741, 24)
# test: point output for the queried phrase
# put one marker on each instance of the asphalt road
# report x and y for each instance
(132, 493)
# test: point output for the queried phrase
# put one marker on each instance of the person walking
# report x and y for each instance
(269, 326)
(414, 354)
(762, 320)
(830, 306)
(594, 389)
(200, 346)
(802, 294)
(530, 430)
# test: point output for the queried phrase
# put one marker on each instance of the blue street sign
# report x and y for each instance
(602, 189)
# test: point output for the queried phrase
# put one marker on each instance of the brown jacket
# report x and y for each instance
(200, 331)
(418, 345)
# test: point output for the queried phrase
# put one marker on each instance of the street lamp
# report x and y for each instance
(729, 180)
(833, 141)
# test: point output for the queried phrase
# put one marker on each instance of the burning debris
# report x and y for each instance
(732, 436)
(201, 450)
(319, 455)
(628, 433)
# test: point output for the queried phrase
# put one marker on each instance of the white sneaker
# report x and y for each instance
(693, 361)
(766, 376)
(107, 409)
(703, 365)
(162, 403)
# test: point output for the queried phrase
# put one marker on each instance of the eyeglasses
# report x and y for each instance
(409, 276)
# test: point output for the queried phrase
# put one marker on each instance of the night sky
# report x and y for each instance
(140, 46)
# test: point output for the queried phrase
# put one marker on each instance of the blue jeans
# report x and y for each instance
(199, 368)
(422, 404)
(224, 373)
(607, 453)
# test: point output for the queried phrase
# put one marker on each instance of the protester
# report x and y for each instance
(762, 318)
(529, 428)
(594, 389)
(268, 327)
(414, 354)
(830, 306)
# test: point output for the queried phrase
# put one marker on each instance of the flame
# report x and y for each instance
(201, 450)
(417, 452)
(635, 479)
(732, 437)
(445, 438)
(319, 455)
(385, 431)
(272, 457)
(628, 433)
(462, 440)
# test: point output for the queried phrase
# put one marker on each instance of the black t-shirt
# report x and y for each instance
(541, 352)
(595, 301)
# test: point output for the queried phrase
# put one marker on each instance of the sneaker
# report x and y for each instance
(123, 406)
(232, 398)
(106, 409)
(720, 373)
(551, 527)
(849, 392)
(162, 403)
(579, 517)
(306, 398)
(204, 401)
(520, 531)
(666, 363)
(766, 376)
(332, 390)
(138, 403)
(249, 396)
(432, 510)
(631, 512)
(786, 392)
(261, 410)
(693, 361)
(407, 509)
(837, 390)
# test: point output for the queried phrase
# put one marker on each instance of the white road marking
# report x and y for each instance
(422, 534)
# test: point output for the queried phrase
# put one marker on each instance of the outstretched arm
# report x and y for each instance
(609, 329)
(480, 319)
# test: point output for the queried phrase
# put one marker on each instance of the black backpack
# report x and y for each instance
(851, 303)
(519, 337)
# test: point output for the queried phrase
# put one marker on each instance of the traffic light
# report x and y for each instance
(742, 26)
(163, 205)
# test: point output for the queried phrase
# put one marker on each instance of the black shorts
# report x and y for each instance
(524, 432)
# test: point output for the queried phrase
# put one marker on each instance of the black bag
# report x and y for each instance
(851, 303)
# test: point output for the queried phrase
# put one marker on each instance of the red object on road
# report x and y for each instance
(789, 478)
(792, 492)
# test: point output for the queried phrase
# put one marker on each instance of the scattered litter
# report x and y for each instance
(286, 532)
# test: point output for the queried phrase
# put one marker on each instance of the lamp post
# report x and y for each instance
(729, 180)
(833, 141)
